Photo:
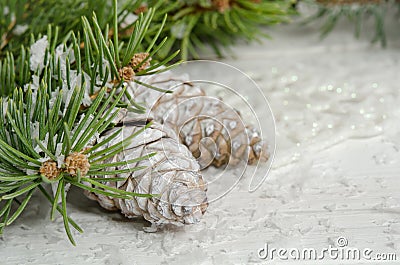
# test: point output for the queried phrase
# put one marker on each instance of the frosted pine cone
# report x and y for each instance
(172, 172)
(212, 130)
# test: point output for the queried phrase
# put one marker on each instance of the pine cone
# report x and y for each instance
(172, 173)
(50, 170)
(137, 59)
(212, 130)
(75, 162)
(126, 73)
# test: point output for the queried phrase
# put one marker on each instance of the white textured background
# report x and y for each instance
(336, 171)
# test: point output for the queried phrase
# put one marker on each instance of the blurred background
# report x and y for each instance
(330, 72)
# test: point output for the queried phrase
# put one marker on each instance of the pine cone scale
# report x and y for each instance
(194, 116)
(171, 173)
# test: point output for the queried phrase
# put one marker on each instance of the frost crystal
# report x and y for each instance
(4, 106)
(30, 172)
(129, 20)
(38, 51)
(20, 29)
(34, 85)
(76, 81)
(209, 129)
(59, 155)
(6, 10)
(35, 130)
(178, 30)
(189, 140)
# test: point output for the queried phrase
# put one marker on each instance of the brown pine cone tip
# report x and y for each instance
(138, 59)
(221, 5)
(77, 161)
(50, 170)
(141, 9)
(126, 73)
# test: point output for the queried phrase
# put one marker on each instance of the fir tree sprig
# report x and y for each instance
(32, 157)
(356, 11)
(21, 18)
(194, 25)
(57, 100)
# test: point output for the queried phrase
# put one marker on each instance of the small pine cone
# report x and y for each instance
(172, 173)
(76, 161)
(141, 9)
(213, 131)
(138, 59)
(221, 5)
(50, 170)
(126, 73)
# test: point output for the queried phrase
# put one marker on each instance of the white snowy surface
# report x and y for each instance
(336, 171)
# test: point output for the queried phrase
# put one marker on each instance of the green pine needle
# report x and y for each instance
(328, 14)
(193, 23)
(45, 115)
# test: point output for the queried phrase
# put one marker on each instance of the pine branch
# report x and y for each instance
(46, 165)
(57, 100)
(215, 23)
(25, 17)
(356, 11)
